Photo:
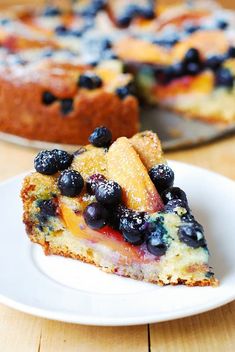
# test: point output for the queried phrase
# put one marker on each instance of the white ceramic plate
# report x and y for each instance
(67, 290)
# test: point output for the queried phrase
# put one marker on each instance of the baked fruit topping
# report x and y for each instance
(114, 205)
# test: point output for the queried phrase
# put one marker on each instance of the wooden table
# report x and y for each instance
(212, 331)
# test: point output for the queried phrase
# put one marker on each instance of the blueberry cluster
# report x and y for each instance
(192, 64)
(49, 162)
(66, 104)
(89, 81)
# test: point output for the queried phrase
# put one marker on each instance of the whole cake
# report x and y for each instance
(65, 70)
(114, 205)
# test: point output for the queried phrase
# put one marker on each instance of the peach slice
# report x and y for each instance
(90, 160)
(108, 237)
(207, 42)
(126, 168)
(148, 147)
(131, 49)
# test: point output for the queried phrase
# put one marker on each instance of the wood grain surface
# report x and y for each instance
(212, 331)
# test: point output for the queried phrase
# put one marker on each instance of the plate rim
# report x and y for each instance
(120, 321)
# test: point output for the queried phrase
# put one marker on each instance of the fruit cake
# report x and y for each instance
(114, 205)
(66, 69)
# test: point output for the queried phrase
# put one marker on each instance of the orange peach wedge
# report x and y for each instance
(125, 167)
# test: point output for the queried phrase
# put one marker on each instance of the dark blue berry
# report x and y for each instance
(96, 215)
(147, 12)
(156, 243)
(61, 30)
(192, 28)
(47, 208)
(133, 226)
(224, 78)
(46, 163)
(123, 92)
(64, 159)
(173, 193)
(162, 176)
(192, 234)
(93, 181)
(124, 20)
(51, 11)
(66, 106)
(108, 193)
(192, 55)
(173, 206)
(178, 70)
(193, 68)
(231, 52)
(222, 24)
(101, 137)
(70, 183)
(214, 62)
(48, 98)
(89, 81)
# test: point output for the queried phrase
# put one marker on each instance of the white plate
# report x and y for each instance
(67, 290)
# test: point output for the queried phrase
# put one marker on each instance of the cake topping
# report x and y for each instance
(156, 242)
(46, 162)
(70, 183)
(90, 81)
(123, 92)
(48, 98)
(173, 193)
(108, 193)
(66, 106)
(93, 181)
(64, 159)
(177, 206)
(192, 234)
(224, 78)
(96, 215)
(231, 52)
(162, 176)
(51, 11)
(132, 224)
(101, 137)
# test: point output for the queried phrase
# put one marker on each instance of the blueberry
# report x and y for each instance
(66, 106)
(192, 234)
(231, 52)
(124, 20)
(222, 24)
(101, 137)
(162, 176)
(93, 181)
(147, 12)
(47, 208)
(193, 68)
(61, 30)
(64, 159)
(108, 193)
(48, 98)
(96, 215)
(70, 183)
(123, 92)
(173, 193)
(46, 163)
(133, 226)
(224, 78)
(89, 81)
(166, 75)
(178, 70)
(192, 28)
(174, 205)
(51, 11)
(156, 243)
(214, 62)
(192, 55)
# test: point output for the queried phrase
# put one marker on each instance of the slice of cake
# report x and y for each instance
(114, 205)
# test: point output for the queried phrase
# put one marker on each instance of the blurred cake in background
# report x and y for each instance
(65, 70)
